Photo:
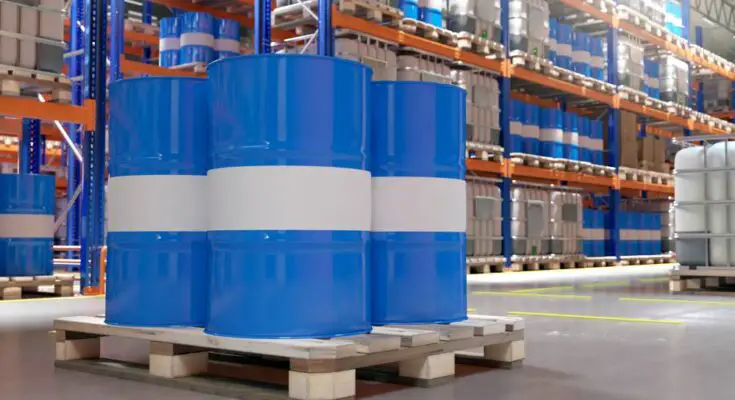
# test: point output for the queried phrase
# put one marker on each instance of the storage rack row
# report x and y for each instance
(133, 46)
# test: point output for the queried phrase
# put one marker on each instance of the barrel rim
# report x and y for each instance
(294, 56)
(417, 83)
(157, 78)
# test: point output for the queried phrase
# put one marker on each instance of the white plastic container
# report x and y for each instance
(9, 21)
(28, 26)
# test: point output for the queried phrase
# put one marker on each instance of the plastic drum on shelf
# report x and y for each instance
(197, 38)
(168, 43)
(227, 43)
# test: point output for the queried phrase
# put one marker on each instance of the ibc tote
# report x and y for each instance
(419, 203)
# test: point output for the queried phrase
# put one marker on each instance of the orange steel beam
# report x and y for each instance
(341, 20)
(567, 87)
(135, 68)
(14, 127)
(649, 187)
(724, 115)
(27, 107)
(476, 165)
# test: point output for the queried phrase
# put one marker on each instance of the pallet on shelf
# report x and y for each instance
(532, 160)
(372, 10)
(13, 288)
(599, 262)
(479, 45)
(18, 81)
(485, 264)
(702, 279)
(428, 31)
(533, 63)
(632, 95)
(646, 259)
(485, 152)
(317, 369)
(535, 263)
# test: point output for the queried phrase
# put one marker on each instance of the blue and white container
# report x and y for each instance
(596, 142)
(673, 19)
(410, 8)
(197, 38)
(552, 133)
(597, 59)
(571, 136)
(157, 202)
(553, 39)
(564, 46)
(227, 42)
(652, 69)
(531, 133)
(583, 128)
(419, 203)
(594, 233)
(517, 115)
(581, 53)
(27, 206)
(168, 43)
(430, 11)
(290, 192)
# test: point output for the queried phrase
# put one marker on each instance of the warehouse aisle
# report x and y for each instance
(663, 346)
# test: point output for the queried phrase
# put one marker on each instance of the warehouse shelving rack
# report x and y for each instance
(329, 19)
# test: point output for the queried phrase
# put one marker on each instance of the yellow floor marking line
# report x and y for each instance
(52, 298)
(541, 295)
(543, 289)
(596, 318)
(605, 284)
(702, 302)
(649, 280)
(471, 310)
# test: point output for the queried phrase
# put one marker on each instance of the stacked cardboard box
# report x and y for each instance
(645, 152)
(659, 156)
(627, 139)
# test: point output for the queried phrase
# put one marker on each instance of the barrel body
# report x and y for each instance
(227, 43)
(419, 218)
(27, 206)
(168, 43)
(157, 207)
(290, 190)
(197, 38)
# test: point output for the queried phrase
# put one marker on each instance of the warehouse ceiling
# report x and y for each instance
(717, 38)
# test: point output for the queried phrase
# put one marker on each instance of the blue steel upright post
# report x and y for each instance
(685, 11)
(262, 31)
(29, 157)
(117, 32)
(94, 143)
(325, 41)
(505, 184)
(699, 38)
(613, 159)
(73, 167)
(147, 18)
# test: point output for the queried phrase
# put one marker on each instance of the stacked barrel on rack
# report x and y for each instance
(225, 215)
(197, 38)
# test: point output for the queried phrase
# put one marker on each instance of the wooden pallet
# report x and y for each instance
(645, 259)
(317, 369)
(572, 263)
(631, 174)
(538, 64)
(485, 265)
(655, 103)
(195, 67)
(428, 31)
(532, 160)
(485, 152)
(12, 288)
(372, 10)
(16, 81)
(535, 263)
(600, 262)
(563, 164)
(632, 95)
(134, 26)
(479, 45)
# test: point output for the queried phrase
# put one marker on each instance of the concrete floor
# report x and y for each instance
(568, 358)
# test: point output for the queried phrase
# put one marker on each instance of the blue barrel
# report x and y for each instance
(581, 53)
(27, 205)
(290, 189)
(157, 208)
(410, 8)
(430, 11)
(656, 247)
(583, 128)
(531, 133)
(596, 142)
(597, 59)
(419, 246)
(571, 136)
(553, 39)
(552, 133)
(564, 46)
(517, 115)
(227, 43)
(197, 38)
(168, 43)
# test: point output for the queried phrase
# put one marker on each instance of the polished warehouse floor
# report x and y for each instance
(598, 334)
